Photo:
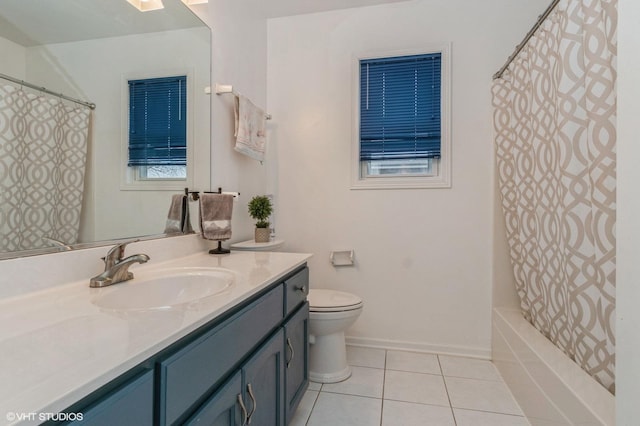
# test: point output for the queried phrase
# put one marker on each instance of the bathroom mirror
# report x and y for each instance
(89, 50)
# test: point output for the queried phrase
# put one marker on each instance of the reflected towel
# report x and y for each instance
(250, 129)
(178, 219)
(215, 216)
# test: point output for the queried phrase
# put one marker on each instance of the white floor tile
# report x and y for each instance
(415, 387)
(314, 386)
(481, 395)
(333, 409)
(469, 368)
(364, 381)
(480, 418)
(397, 413)
(413, 361)
(366, 357)
(304, 409)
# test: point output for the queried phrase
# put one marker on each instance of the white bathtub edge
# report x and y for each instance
(578, 398)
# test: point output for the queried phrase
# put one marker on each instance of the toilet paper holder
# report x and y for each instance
(342, 257)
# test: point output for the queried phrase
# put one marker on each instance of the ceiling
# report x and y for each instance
(37, 22)
(279, 8)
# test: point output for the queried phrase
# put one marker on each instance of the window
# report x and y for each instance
(158, 128)
(402, 135)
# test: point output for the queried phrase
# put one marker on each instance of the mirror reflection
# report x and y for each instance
(66, 171)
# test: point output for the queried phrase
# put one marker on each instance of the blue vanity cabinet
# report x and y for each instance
(247, 366)
(296, 290)
(225, 408)
(296, 332)
(126, 401)
(254, 395)
(296, 327)
(189, 374)
(264, 383)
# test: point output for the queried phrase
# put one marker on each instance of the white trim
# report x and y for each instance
(400, 345)
(128, 178)
(443, 180)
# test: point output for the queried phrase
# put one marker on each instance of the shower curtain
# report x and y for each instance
(43, 148)
(555, 136)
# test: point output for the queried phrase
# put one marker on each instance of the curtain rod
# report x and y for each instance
(519, 47)
(90, 105)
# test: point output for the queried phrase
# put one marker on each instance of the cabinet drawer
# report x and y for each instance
(188, 374)
(296, 289)
(131, 404)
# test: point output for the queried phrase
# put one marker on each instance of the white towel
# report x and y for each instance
(250, 129)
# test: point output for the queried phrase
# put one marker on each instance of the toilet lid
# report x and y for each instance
(332, 300)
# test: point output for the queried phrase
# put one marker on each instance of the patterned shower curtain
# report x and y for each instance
(43, 149)
(555, 135)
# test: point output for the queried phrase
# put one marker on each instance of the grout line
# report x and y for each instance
(492, 412)
(384, 378)
(447, 390)
(382, 400)
(313, 406)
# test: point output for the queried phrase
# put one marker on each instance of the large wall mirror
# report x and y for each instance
(90, 50)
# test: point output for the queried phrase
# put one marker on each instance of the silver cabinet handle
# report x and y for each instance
(293, 353)
(253, 400)
(302, 288)
(244, 410)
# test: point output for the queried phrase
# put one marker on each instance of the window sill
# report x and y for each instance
(401, 183)
(155, 185)
(129, 182)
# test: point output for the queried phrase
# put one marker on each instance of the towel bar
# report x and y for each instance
(222, 89)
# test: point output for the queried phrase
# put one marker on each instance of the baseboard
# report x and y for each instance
(419, 347)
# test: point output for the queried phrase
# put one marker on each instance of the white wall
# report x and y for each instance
(239, 57)
(423, 257)
(13, 61)
(628, 225)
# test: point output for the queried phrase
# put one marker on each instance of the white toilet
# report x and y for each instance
(331, 312)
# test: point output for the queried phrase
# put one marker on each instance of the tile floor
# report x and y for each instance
(396, 388)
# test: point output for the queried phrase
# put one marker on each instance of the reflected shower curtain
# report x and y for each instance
(555, 134)
(43, 148)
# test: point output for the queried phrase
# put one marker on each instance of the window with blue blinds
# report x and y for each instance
(158, 122)
(400, 107)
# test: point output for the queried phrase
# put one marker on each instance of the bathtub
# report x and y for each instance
(550, 388)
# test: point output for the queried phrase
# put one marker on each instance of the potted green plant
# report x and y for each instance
(260, 209)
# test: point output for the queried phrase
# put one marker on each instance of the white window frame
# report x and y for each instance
(130, 178)
(442, 178)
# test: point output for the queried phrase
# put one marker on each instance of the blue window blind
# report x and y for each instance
(158, 122)
(400, 107)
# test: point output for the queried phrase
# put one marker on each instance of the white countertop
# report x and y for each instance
(56, 346)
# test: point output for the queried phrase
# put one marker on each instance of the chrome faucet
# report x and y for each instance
(116, 269)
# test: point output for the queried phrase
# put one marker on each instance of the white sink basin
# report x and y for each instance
(166, 288)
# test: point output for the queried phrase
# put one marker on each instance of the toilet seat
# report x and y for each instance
(323, 300)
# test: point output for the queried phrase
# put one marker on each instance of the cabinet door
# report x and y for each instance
(296, 359)
(224, 408)
(264, 383)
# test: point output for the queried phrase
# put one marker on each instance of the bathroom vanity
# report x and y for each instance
(239, 356)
